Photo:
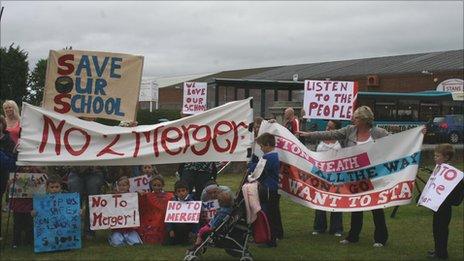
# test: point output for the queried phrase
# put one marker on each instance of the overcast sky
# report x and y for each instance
(179, 38)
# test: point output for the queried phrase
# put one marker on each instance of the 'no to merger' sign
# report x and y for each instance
(183, 212)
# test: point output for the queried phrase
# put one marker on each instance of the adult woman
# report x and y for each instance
(360, 132)
(11, 110)
(6, 157)
(320, 218)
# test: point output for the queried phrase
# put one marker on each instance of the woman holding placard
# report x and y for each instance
(362, 131)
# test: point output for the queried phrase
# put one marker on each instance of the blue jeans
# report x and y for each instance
(86, 184)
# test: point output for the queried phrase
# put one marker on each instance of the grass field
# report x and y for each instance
(410, 236)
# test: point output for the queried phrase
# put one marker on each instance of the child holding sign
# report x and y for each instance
(123, 236)
(441, 219)
(179, 233)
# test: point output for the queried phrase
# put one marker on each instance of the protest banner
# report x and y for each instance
(93, 84)
(331, 100)
(219, 134)
(57, 223)
(152, 212)
(114, 211)
(442, 181)
(208, 209)
(139, 184)
(195, 97)
(27, 185)
(183, 212)
(369, 176)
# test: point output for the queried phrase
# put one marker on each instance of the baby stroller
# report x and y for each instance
(232, 235)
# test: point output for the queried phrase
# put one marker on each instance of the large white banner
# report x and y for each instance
(329, 99)
(219, 134)
(440, 184)
(374, 175)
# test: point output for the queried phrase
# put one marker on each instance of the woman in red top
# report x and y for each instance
(11, 110)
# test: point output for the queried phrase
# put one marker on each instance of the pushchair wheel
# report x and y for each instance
(191, 258)
(246, 258)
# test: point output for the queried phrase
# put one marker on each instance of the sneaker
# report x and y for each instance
(338, 234)
(15, 246)
(377, 245)
(315, 233)
(345, 242)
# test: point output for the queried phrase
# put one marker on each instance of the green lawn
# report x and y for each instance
(410, 236)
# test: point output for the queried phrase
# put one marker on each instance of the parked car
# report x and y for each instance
(447, 128)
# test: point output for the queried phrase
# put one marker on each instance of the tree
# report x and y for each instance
(37, 83)
(14, 70)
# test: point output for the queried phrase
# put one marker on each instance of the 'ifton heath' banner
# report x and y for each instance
(219, 134)
(369, 176)
(93, 84)
(329, 99)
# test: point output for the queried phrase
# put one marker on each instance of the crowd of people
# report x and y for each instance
(197, 181)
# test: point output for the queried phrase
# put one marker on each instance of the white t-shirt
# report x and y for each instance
(322, 146)
(364, 142)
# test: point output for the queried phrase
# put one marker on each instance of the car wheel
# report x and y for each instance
(454, 138)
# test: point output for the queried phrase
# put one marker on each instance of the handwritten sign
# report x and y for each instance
(329, 99)
(139, 184)
(208, 209)
(57, 224)
(93, 84)
(195, 98)
(183, 212)
(440, 184)
(27, 185)
(114, 211)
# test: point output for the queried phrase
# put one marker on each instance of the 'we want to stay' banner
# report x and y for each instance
(369, 176)
(219, 134)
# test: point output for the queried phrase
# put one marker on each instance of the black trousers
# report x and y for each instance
(270, 201)
(380, 232)
(336, 222)
(22, 222)
(181, 232)
(441, 220)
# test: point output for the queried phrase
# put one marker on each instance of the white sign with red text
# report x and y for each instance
(440, 184)
(139, 184)
(218, 134)
(331, 100)
(208, 209)
(114, 211)
(195, 97)
(183, 212)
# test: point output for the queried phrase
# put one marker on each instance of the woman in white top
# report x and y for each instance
(320, 218)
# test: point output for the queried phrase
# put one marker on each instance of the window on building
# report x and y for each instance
(385, 111)
(408, 110)
(428, 111)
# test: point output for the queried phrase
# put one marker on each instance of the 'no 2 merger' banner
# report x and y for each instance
(374, 175)
(219, 134)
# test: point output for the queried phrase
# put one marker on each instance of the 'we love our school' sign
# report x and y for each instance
(93, 84)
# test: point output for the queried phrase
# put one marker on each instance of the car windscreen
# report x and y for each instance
(458, 119)
(438, 119)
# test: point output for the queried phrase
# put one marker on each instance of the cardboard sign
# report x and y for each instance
(208, 209)
(27, 185)
(114, 211)
(329, 99)
(57, 224)
(370, 176)
(139, 184)
(440, 184)
(93, 84)
(195, 97)
(183, 212)
(219, 134)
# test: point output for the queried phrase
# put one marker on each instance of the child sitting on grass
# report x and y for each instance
(123, 236)
(152, 206)
(442, 218)
(180, 233)
(225, 208)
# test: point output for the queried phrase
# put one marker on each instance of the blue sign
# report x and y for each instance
(57, 224)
